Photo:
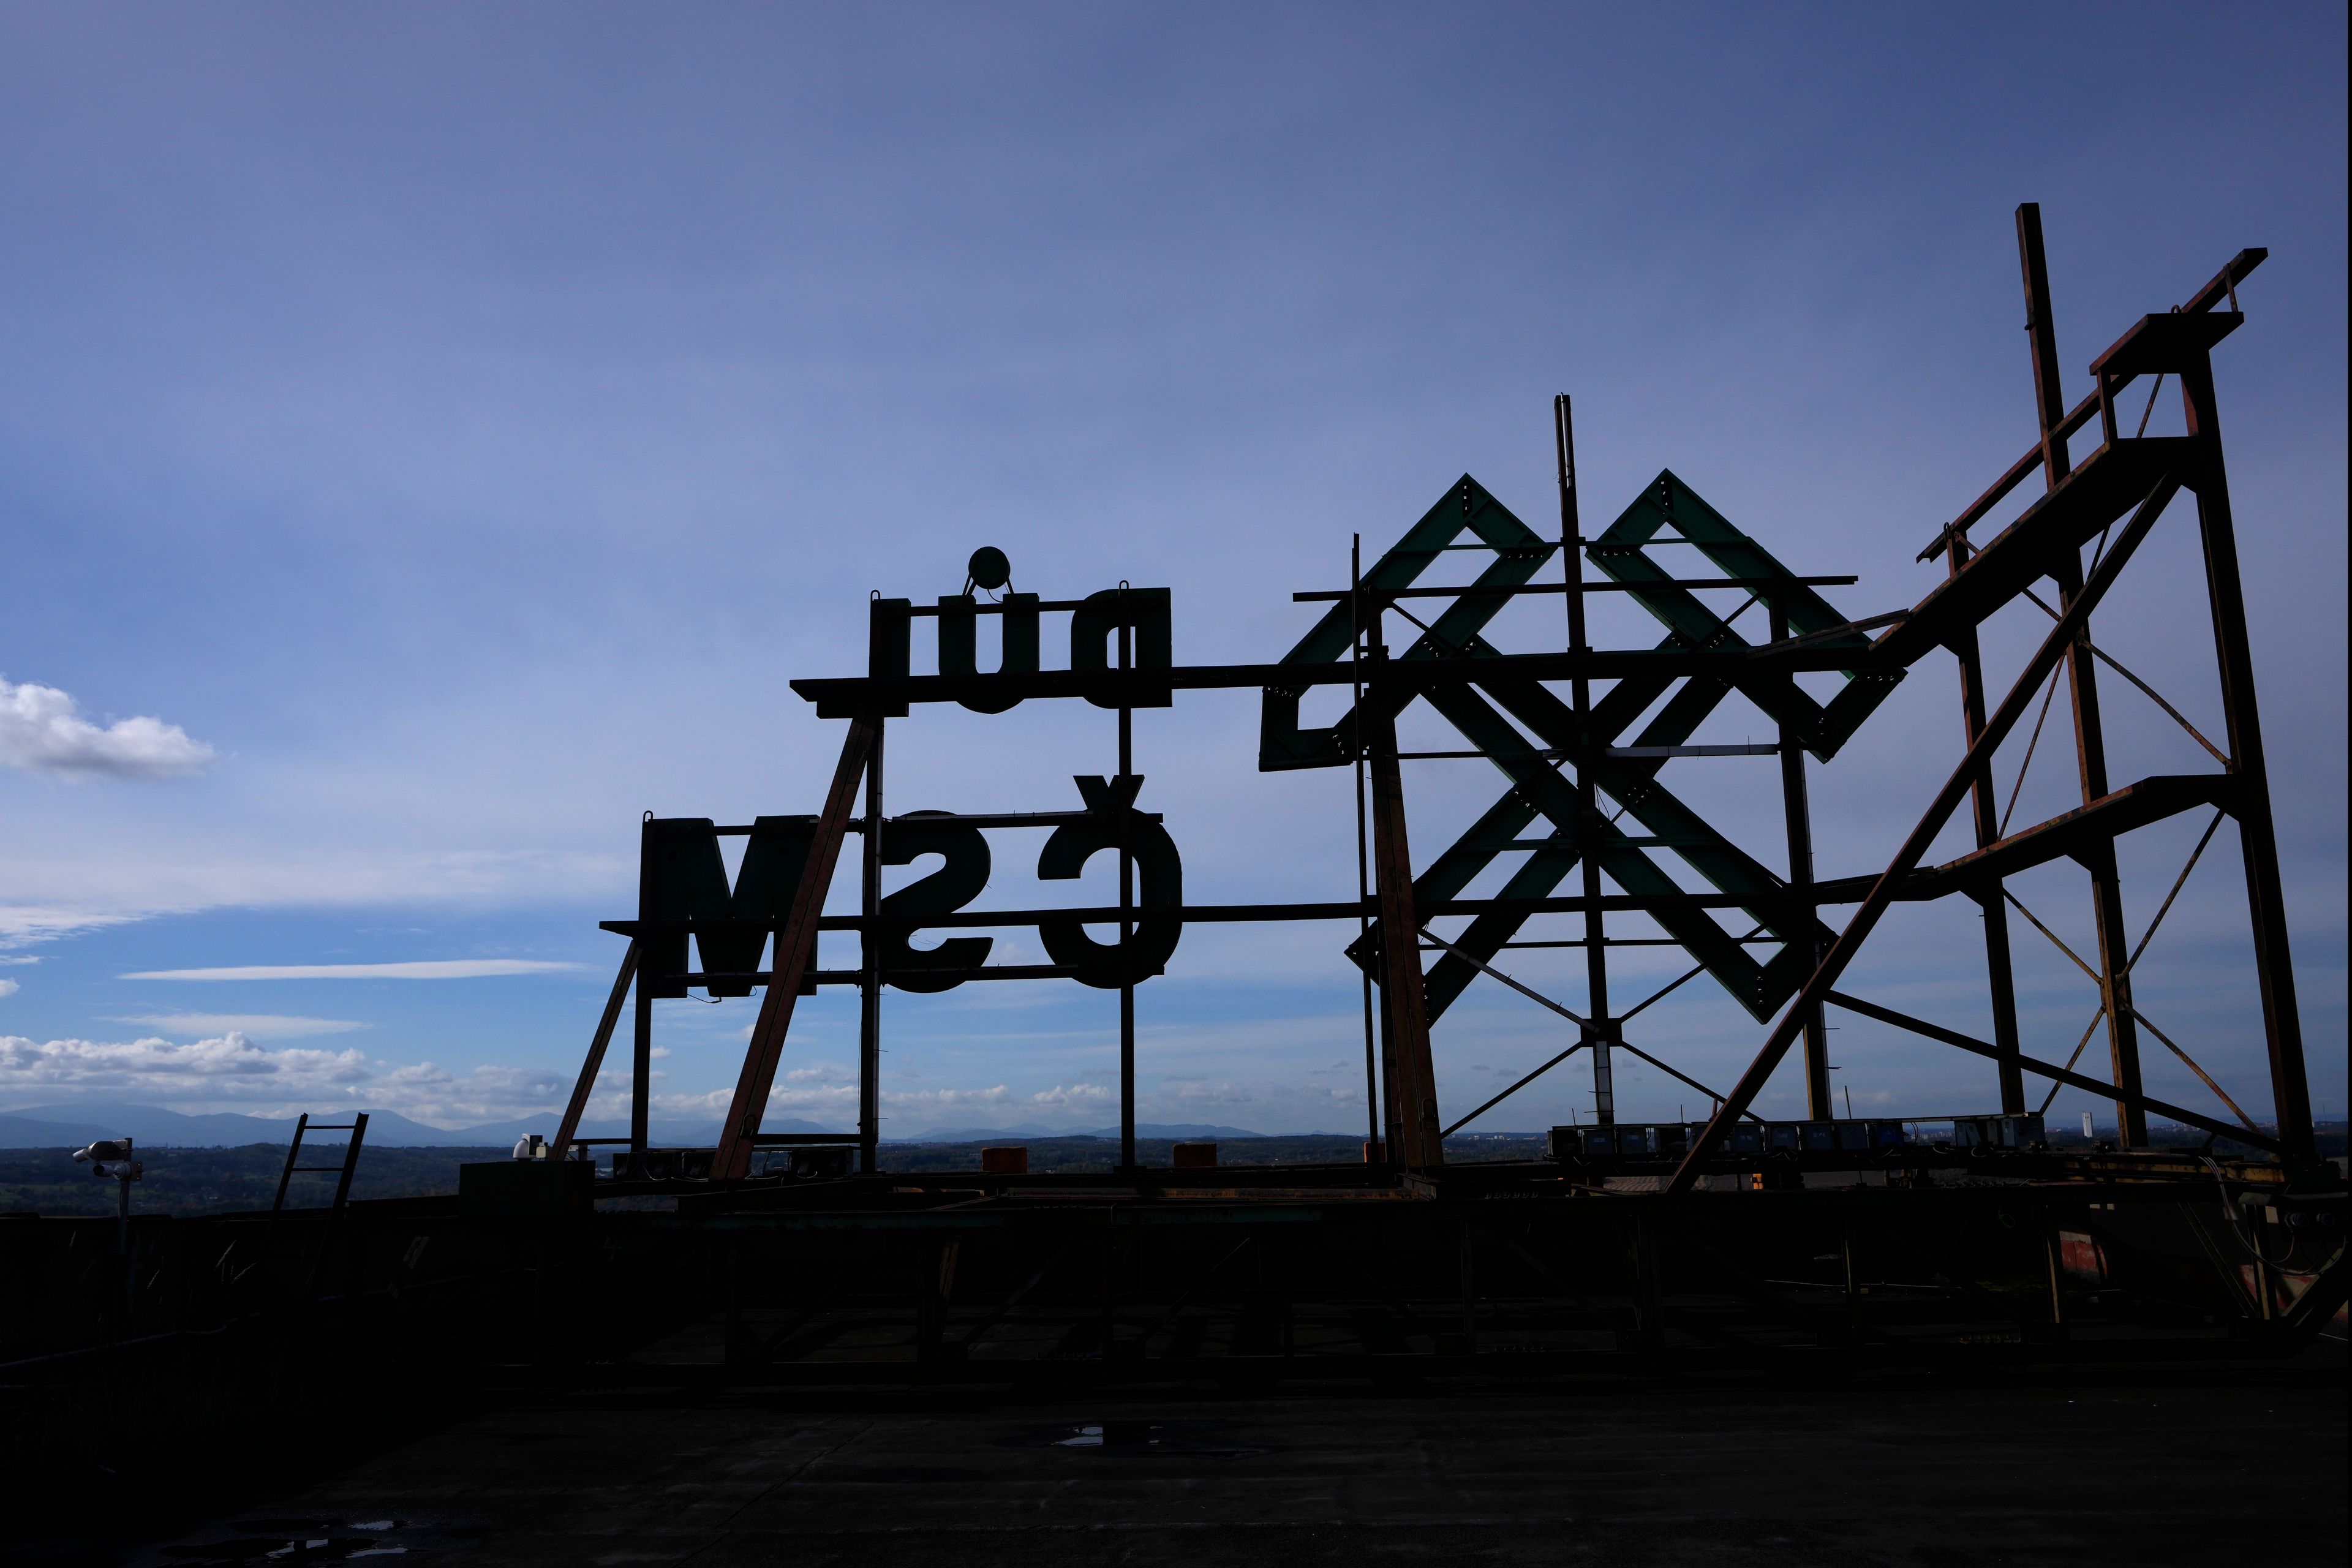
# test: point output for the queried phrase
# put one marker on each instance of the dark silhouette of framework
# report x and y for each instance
(1561, 758)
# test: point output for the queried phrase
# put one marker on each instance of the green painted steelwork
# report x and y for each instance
(1537, 789)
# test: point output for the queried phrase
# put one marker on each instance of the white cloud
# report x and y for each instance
(15, 958)
(232, 1072)
(46, 923)
(436, 969)
(229, 1068)
(42, 732)
(1073, 1094)
(612, 1098)
(488, 1093)
(995, 1094)
(9, 988)
(1205, 1094)
(255, 1025)
(70, 884)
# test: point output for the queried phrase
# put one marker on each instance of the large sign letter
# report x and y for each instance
(1148, 611)
(959, 617)
(1160, 874)
(905, 840)
(680, 876)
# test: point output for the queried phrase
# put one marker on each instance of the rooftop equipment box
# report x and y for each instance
(527, 1187)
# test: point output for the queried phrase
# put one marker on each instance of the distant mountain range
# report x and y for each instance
(1038, 1130)
(84, 1122)
(79, 1122)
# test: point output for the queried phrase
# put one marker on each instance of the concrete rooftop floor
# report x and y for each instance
(2239, 1466)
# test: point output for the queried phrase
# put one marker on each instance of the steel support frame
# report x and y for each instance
(1600, 1031)
(2257, 833)
(1858, 927)
(2000, 978)
(2083, 691)
(869, 968)
(1796, 808)
(795, 948)
(1417, 1140)
(577, 1107)
(1413, 1123)
(2200, 466)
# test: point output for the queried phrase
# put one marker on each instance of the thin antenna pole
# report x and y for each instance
(1363, 872)
(1596, 953)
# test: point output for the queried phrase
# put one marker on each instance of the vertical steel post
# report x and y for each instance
(869, 979)
(2090, 737)
(1126, 909)
(2098, 858)
(293, 1153)
(1598, 1031)
(1412, 1081)
(1797, 808)
(351, 1159)
(2257, 833)
(1984, 814)
(1363, 875)
(641, 1078)
(122, 1237)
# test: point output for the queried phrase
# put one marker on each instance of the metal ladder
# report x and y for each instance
(356, 1127)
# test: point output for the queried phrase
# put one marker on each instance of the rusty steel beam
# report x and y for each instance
(1413, 1079)
(2258, 835)
(577, 1106)
(2037, 544)
(2097, 854)
(795, 946)
(2223, 285)
(1598, 1029)
(1939, 810)
(2071, 833)
(2252, 1137)
(1796, 811)
(2001, 975)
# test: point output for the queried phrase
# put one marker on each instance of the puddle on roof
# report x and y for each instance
(1129, 1439)
(258, 1541)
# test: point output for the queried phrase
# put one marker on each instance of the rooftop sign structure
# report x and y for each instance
(1587, 819)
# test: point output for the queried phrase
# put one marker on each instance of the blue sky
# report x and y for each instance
(432, 436)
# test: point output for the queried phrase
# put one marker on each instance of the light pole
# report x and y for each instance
(116, 1153)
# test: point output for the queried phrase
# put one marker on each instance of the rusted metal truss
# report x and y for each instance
(1575, 767)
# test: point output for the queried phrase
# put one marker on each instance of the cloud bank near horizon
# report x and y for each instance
(232, 1072)
(425, 969)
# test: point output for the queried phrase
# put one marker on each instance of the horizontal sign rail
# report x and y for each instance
(847, 696)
